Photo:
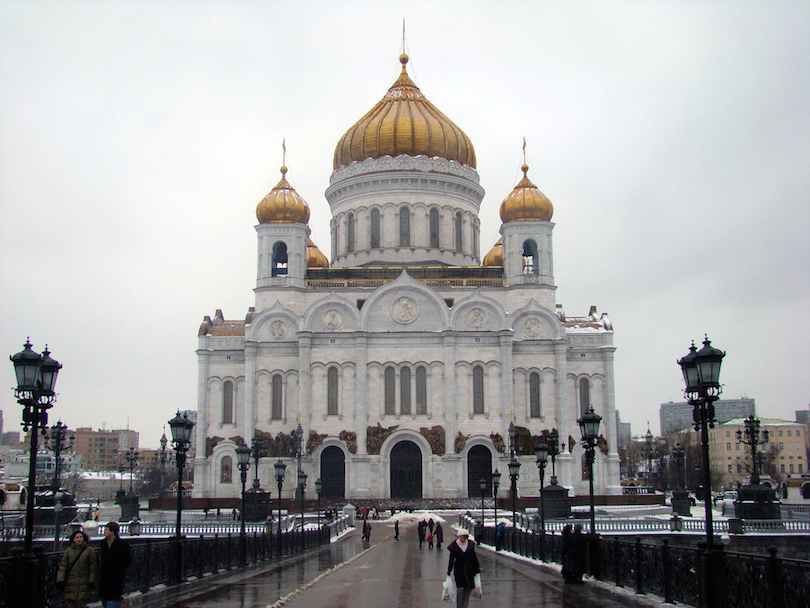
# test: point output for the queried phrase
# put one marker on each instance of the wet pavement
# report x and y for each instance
(389, 573)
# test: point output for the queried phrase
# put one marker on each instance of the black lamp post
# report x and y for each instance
(753, 438)
(280, 468)
(541, 452)
(589, 427)
(243, 464)
(257, 446)
(496, 483)
(701, 374)
(36, 380)
(678, 456)
(302, 486)
(162, 459)
(648, 438)
(514, 474)
(132, 460)
(299, 452)
(57, 442)
(318, 488)
(482, 484)
(553, 442)
(181, 441)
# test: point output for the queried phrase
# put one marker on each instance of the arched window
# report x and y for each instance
(421, 390)
(478, 390)
(350, 233)
(534, 395)
(405, 391)
(530, 261)
(226, 470)
(390, 384)
(375, 228)
(279, 264)
(459, 240)
(404, 227)
(227, 402)
(332, 391)
(434, 227)
(276, 410)
(584, 395)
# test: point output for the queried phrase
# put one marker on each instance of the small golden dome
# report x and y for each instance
(315, 257)
(495, 255)
(526, 202)
(283, 205)
(404, 122)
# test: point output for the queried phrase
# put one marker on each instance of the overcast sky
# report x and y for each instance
(136, 139)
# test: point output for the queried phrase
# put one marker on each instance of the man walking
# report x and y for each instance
(115, 558)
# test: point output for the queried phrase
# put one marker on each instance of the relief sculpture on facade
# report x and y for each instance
(435, 437)
(461, 441)
(350, 437)
(497, 441)
(376, 435)
(210, 444)
(314, 441)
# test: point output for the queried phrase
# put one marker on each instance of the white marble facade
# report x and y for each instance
(438, 363)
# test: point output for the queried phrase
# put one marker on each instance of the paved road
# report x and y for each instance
(387, 573)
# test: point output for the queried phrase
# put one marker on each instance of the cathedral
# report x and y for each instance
(396, 367)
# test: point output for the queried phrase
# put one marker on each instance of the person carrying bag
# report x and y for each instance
(463, 569)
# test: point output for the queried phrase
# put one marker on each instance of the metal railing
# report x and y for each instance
(154, 560)
(686, 575)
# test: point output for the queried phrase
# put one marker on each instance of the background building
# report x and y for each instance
(677, 416)
(103, 450)
(406, 359)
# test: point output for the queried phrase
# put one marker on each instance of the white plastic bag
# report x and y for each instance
(449, 590)
(477, 590)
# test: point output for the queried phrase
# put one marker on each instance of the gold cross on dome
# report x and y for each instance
(298, 417)
(511, 416)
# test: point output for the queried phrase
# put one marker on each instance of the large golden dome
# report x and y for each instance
(283, 205)
(404, 122)
(526, 202)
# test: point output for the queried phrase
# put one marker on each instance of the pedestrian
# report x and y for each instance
(77, 571)
(430, 524)
(566, 541)
(367, 531)
(576, 555)
(420, 529)
(464, 568)
(430, 539)
(499, 531)
(115, 559)
(396, 530)
(439, 535)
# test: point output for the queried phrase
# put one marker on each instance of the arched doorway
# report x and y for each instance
(479, 464)
(333, 473)
(406, 470)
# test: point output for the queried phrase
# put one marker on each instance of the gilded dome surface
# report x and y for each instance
(495, 255)
(404, 122)
(526, 202)
(315, 257)
(283, 205)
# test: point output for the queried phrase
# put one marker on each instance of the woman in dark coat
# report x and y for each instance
(77, 571)
(576, 555)
(115, 558)
(463, 566)
(439, 535)
(566, 541)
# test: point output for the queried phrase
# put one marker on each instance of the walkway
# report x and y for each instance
(388, 573)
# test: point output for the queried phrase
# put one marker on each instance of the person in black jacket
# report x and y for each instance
(463, 566)
(115, 558)
(576, 556)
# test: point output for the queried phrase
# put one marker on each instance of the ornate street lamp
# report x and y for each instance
(541, 452)
(496, 483)
(318, 488)
(701, 374)
(553, 442)
(57, 442)
(243, 464)
(678, 456)
(162, 459)
(302, 486)
(589, 428)
(514, 475)
(753, 438)
(36, 380)
(131, 456)
(648, 438)
(257, 446)
(181, 441)
(280, 468)
(482, 484)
